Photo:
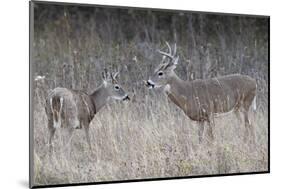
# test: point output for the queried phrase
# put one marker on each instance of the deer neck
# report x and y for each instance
(175, 84)
(178, 90)
(99, 97)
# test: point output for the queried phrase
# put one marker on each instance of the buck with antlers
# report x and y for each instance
(72, 109)
(200, 99)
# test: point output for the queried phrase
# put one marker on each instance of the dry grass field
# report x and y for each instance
(149, 136)
(132, 141)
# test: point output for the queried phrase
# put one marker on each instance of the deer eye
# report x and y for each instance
(160, 73)
(116, 87)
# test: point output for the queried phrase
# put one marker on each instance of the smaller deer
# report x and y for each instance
(73, 109)
(200, 99)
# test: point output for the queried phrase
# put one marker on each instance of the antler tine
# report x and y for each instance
(166, 54)
(175, 50)
(107, 74)
(169, 47)
(111, 75)
(115, 75)
(104, 74)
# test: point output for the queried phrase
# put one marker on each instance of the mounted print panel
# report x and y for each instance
(126, 94)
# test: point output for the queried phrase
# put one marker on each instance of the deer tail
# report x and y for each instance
(255, 100)
(56, 104)
(255, 103)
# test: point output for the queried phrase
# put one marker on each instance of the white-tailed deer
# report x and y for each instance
(200, 99)
(73, 109)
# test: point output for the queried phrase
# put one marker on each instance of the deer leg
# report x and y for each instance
(249, 133)
(238, 115)
(88, 136)
(247, 126)
(68, 142)
(210, 130)
(51, 135)
(200, 131)
(87, 127)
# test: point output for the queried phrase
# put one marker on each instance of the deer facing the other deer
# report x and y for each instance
(201, 100)
(72, 109)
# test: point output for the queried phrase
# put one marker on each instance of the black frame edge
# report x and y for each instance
(146, 8)
(31, 147)
(152, 179)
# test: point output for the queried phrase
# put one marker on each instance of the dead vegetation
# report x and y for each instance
(148, 137)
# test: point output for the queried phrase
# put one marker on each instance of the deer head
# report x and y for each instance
(114, 90)
(166, 68)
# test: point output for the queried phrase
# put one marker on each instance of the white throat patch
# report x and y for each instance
(167, 88)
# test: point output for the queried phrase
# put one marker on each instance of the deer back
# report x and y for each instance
(200, 98)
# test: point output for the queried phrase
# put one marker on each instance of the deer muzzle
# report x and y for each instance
(126, 97)
(149, 84)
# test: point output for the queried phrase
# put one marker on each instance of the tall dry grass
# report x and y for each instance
(135, 141)
(148, 137)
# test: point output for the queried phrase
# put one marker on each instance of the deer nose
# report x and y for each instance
(150, 84)
(126, 97)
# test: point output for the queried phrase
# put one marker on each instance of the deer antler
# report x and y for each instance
(175, 50)
(169, 47)
(106, 75)
(169, 54)
(166, 54)
(115, 75)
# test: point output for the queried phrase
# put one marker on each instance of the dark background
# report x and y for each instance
(75, 43)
